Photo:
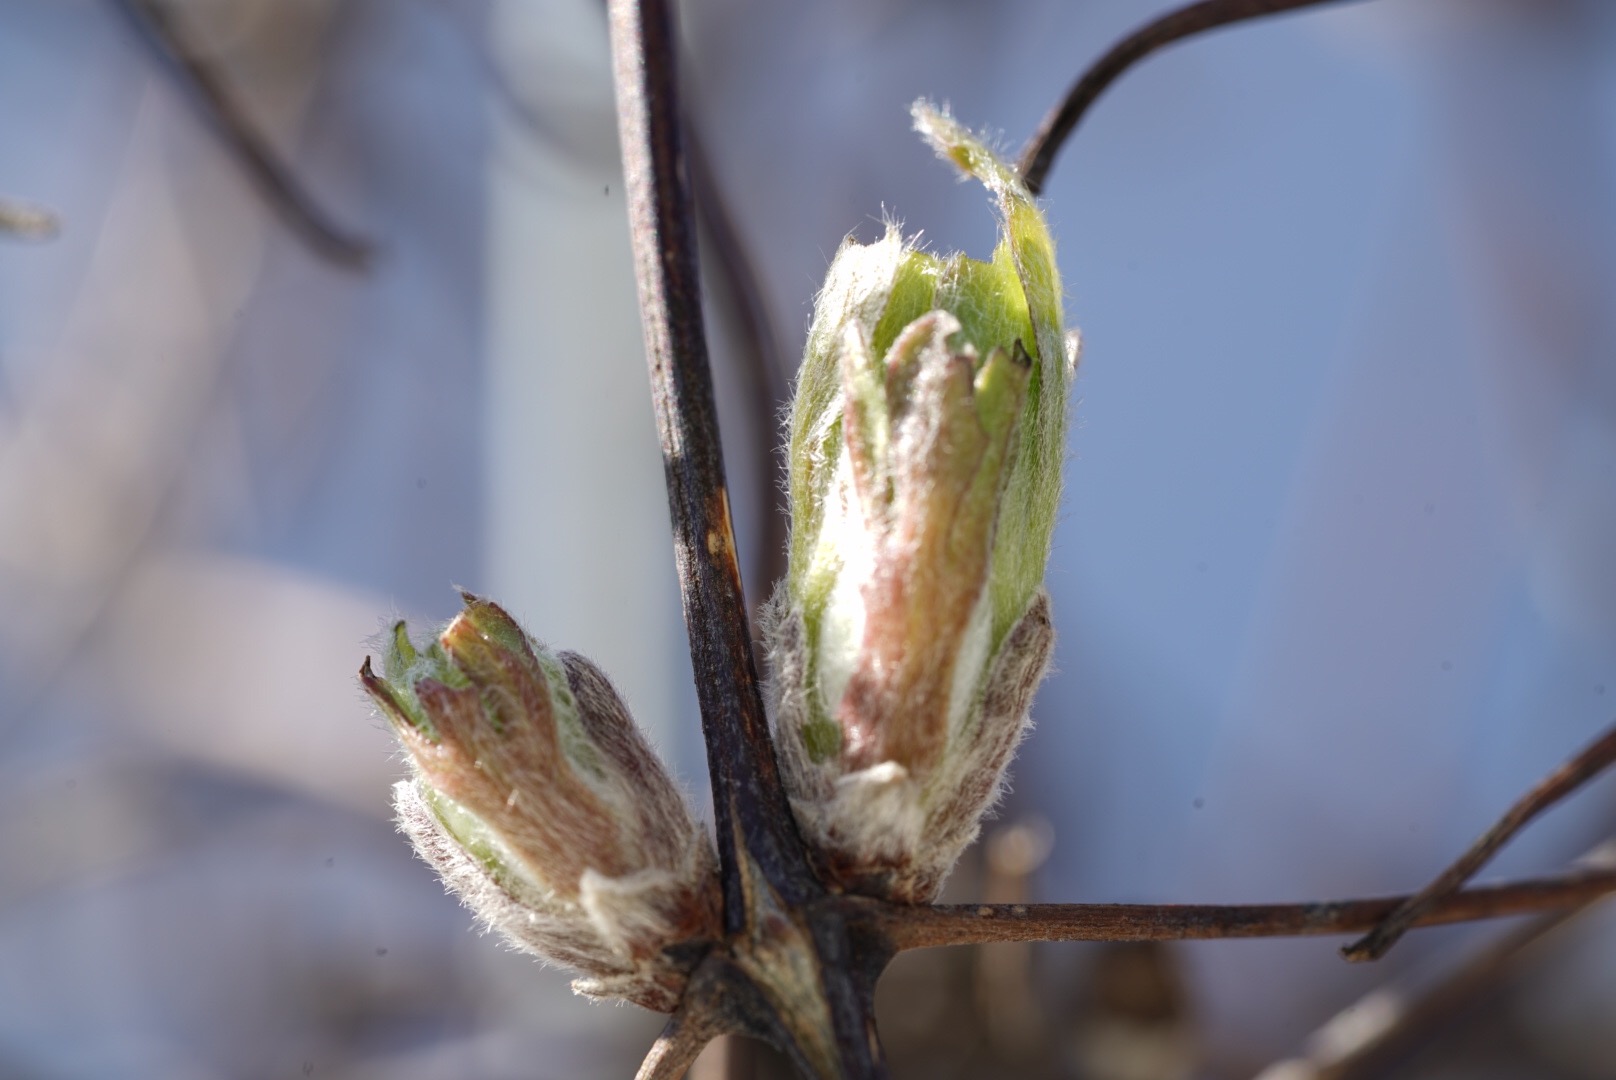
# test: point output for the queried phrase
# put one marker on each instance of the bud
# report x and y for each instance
(539, 803)
(926, 441)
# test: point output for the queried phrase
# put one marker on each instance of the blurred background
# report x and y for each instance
(1335, 579)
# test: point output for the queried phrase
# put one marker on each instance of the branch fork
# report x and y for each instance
(906, 642)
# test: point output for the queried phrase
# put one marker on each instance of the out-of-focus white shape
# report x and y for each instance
(1124, 1050)
(96, 436)
(578, 540)
(253, 667)
(63, 823)
(1364, 1022)
(125, 368)
(1290, 1069)
(1564, 1009)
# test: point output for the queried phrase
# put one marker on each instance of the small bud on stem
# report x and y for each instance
(541, 805)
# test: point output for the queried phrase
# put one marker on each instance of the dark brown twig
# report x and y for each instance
(1185, 22)
(749, 803)
(969, 924)
(274, 180)
(792, 965)
(1590, 762)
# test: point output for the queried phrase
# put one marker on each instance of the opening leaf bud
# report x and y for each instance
(926, 441)
(541, 805)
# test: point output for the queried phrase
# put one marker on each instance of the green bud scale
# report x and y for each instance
(927, 436)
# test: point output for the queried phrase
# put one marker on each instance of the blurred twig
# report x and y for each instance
(1185, 22)
(1590, 762)
(761, 360)
(1368, 1037)
(1389, 1023)
(274, 180)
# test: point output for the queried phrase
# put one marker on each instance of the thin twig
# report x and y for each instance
(274, 180)
(1185, 22)
(969, 924)
(1590, 762)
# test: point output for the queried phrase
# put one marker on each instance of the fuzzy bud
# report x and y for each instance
(539, 803)
(926, 441)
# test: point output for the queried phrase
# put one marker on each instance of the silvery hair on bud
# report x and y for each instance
(621, 934)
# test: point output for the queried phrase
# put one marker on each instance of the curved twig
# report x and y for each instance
(1590, 762)
(274, 180)
(1185, 22)
(972, 924)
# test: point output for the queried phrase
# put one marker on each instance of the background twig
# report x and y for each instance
(1397, 1025)
(1392, 1022)
(768, 378)
(277, 183)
